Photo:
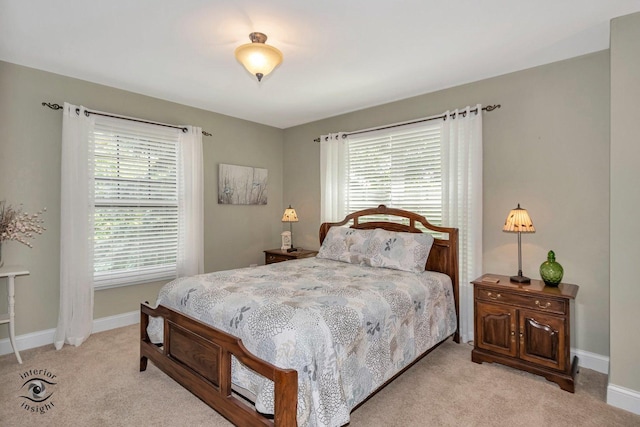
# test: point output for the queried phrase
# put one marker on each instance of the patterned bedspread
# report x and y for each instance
(345, 328)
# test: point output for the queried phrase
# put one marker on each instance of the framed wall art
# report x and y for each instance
(242, 185)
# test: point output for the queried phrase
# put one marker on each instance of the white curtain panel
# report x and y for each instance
(334, 168)
(462, 200)
(75, 318)
(191, 204)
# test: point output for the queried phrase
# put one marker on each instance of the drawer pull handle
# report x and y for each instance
(543, 306)
(490, 295)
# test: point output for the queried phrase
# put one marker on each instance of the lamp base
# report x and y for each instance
(520, 279)
(292, 250)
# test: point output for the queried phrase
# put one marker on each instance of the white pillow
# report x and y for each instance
(398, 250)
(345, 244)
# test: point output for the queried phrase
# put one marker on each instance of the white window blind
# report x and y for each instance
(136, 202)
(398, 167)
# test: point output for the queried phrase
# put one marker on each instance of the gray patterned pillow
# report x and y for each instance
(398, 250)
(345, 244)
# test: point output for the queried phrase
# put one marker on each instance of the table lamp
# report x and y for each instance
(518, 221)
(290, 216)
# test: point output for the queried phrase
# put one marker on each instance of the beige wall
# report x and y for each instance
(625, 202)
(547, 148)
(30, 174)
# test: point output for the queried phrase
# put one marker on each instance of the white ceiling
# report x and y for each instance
(339, 55)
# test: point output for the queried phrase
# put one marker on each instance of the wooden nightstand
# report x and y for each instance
(526, 327)
(278, 255)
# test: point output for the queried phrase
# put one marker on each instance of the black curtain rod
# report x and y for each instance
(444, 117)
(87, 112)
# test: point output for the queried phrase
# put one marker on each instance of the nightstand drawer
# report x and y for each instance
(271, 258)
(535, 302)
(278, 255)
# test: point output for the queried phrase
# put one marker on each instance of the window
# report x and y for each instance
(398, 167)
(131, 209)
(136, 202)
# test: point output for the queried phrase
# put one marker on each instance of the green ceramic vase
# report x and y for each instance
(551, 271)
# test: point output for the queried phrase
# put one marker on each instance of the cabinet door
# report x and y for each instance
(496, 328)
(542, 339)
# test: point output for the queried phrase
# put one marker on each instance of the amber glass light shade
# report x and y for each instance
(257, 57)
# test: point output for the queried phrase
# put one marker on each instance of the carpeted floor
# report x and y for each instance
(98, 384)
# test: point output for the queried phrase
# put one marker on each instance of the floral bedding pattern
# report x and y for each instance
(345, 328)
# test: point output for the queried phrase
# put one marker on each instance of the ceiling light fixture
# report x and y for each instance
(257, 57)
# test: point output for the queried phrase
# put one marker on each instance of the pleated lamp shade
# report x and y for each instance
(518, 220)
(290, 215)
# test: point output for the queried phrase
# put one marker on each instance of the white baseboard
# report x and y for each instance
(40, 338)
(594, 361)
(117, 321)
(27, 341)
(623, 398)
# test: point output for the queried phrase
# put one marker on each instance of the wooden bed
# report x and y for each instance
(198, 356)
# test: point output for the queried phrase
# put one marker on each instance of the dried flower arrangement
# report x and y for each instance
(19, 226)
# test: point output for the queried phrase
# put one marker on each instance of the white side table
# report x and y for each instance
(10, 272)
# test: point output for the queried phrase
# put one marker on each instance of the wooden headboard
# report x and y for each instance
(443, 257)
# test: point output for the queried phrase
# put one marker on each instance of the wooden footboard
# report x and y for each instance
(198, 356)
